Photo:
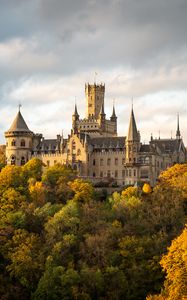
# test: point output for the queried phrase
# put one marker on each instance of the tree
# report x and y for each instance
(83, 190)
(26, 258)
(56, 180)
(174, 264)
(33, 169)
(2, 156)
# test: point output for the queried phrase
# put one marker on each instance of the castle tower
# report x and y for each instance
(94, 99)
(75, 118)
(132, 141)
(18, 142)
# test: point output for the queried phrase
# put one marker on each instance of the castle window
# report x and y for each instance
(13, 143)
(127, 172)
(22, 144)
(22, 160)
(94, 162)
(108, 162)
(116, 161)
(123, 173)
(134, 172)
(101, 174)
(108, 174)
(101, 162)
(78, 152)
(134, 159)
(93, 174)
(13, 160)
(73, 145)
(130, 173)
(116, 174)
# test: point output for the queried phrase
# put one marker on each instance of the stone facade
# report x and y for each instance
(93, 147)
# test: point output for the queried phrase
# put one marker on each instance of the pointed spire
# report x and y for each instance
(113, 111)
(178, 134)
(19, 123)
(102, 112)
(132, 133)
(75, 111)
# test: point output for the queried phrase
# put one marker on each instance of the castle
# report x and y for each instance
(93, 147)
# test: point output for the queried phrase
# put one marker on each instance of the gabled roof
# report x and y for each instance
(19, 124)
(132, 133)
(167, 145)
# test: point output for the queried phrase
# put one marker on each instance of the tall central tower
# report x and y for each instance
(94, 99)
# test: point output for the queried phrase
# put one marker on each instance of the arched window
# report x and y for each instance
(22, 160)
(22, 143)
(73, 145)
(13, 160)
(13, 143)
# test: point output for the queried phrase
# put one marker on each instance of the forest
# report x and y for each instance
(60, 238)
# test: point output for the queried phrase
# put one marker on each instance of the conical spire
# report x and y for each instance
(113, 116)
(132, 133)
(75, 111)
(178, 134)
(113, 112)
(19, 124)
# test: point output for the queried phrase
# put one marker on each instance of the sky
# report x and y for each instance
(49, 49)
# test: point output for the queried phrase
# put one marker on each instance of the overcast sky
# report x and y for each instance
(50, 48)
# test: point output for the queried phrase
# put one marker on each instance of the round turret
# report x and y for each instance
(18, 142)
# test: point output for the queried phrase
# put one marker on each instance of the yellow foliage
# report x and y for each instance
(130, 191)
(175, 265)
(83, 190)
(37, 192)
(146, 188)
(173, 175)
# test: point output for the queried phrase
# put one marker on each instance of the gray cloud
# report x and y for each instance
(137, 47)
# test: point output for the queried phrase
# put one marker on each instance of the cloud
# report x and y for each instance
(48, 49)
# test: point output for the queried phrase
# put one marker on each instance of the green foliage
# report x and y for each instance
(33, 169)
(59, 239)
